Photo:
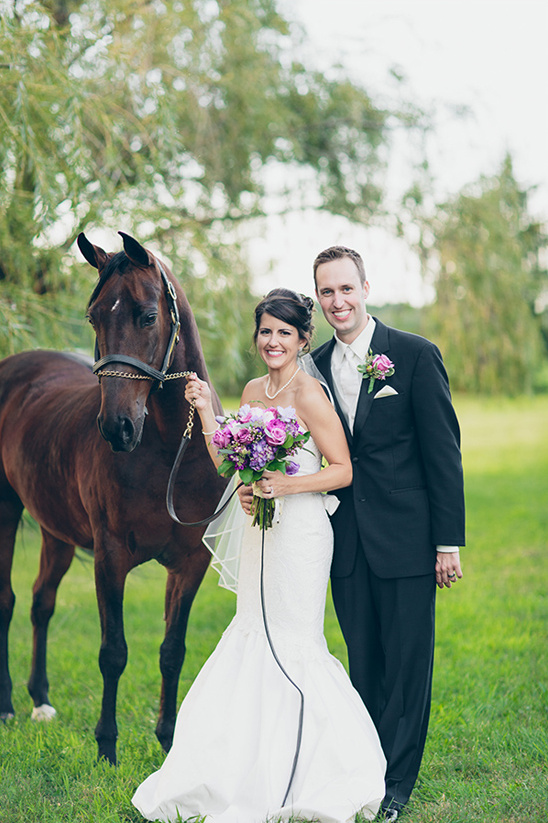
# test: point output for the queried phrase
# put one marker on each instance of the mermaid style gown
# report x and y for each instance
(236, 730)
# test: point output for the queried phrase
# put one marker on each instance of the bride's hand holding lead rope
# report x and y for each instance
(199, 391)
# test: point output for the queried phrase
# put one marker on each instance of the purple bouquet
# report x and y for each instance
(254, 440)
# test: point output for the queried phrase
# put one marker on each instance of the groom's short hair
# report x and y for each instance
(337, 253)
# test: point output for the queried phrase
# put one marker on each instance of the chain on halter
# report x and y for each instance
(176, 375)
(132, 376)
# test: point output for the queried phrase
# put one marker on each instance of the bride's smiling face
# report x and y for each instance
(278, 343)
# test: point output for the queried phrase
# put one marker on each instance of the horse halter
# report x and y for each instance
(149, 372)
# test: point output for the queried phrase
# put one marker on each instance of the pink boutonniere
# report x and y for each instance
(376, 367)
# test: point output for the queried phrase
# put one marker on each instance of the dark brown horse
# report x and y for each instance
(107, 493)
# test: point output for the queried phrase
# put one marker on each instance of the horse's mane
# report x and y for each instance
(118, 262)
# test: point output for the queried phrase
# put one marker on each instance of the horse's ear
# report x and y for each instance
(95, 255)
(136, 253)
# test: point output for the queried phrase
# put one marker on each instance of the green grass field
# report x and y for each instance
(487, 752)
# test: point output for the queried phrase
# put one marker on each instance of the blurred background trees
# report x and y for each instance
(489, 286)
(483, 252)
(159, 118)
(164, 118)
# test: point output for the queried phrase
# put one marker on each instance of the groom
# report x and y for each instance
(398, 527)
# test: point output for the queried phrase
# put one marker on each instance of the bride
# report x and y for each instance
(234, 748)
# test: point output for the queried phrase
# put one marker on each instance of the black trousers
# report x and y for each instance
(388, 627)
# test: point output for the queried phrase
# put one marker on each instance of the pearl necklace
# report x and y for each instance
(276, 393)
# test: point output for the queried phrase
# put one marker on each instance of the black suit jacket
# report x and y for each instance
(407, 491)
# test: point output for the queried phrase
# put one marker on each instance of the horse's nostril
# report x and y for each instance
(127, 429)
(120, 432)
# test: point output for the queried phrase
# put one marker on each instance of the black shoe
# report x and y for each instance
(390, 815)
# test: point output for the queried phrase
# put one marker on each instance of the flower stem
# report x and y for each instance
(262, 511)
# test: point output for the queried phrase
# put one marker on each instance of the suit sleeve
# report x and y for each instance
(438, 434)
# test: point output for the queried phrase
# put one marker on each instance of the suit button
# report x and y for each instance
(354, 459)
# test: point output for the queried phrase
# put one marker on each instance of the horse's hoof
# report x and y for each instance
(43, 712)
(109, 756)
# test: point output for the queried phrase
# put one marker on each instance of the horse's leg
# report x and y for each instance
(181, 588)
(10, 514)
(110, 577)
(55, 559)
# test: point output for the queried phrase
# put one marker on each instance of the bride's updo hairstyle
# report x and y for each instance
(289, 307)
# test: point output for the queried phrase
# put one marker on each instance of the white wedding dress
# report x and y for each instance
(236, 731)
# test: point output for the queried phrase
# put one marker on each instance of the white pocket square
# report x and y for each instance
(386, 391)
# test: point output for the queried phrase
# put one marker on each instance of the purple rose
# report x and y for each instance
(292, 468)
(244, 436)
(275, 433)
(222, 438)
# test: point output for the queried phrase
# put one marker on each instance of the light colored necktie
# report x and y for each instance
(349, 384)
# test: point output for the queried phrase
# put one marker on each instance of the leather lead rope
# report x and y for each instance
(277, 659)
(171, 486)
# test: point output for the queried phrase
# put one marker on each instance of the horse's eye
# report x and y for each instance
(149, 319)
(89, 318)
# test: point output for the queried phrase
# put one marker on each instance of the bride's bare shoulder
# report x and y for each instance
(254, 391)
(311, 393)
(311, 383)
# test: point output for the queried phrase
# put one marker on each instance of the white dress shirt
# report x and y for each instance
(345, 360)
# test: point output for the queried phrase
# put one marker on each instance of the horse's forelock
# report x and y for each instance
(119, 263)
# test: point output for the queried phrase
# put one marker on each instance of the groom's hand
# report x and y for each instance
(245, 493)
(448, 569)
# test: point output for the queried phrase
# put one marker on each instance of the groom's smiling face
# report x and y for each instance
(342, 295)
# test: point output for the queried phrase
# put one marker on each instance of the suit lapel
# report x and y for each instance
(380, 344)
